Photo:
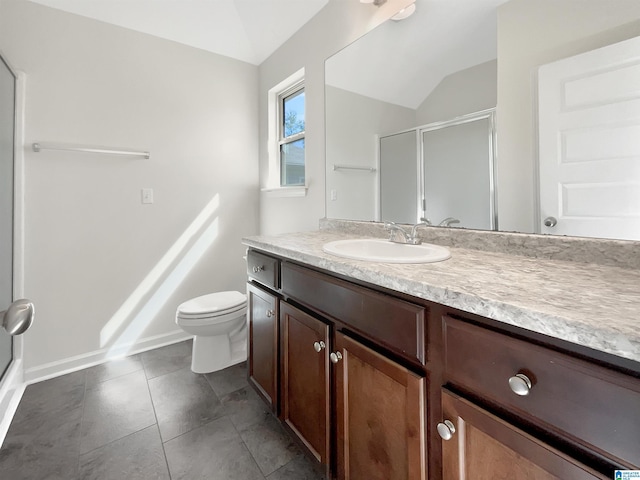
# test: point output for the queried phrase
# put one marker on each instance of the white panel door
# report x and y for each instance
(589, 143)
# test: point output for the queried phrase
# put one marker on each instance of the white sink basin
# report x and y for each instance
(376, 250)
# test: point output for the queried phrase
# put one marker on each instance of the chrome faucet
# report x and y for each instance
(395, 229)
(410, 238)
(448, 221)
(414, 239)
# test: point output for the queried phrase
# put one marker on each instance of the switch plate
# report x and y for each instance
(147, 195)
(334, 194)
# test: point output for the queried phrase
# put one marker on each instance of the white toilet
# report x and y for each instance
(217, 321)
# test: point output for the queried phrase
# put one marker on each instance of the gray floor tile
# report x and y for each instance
(245, 408)
(269, 444)
(183, 400)
(228, 380)
(213, 452)
(114, 409)
(52, 397)
(167, 359)
(46, 449)
(300, 468)
(138, 456)
(113, 369)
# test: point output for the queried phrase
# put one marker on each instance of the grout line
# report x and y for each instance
(155, 415)
(84, 405)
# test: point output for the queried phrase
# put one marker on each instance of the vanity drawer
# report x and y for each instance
(263, 269)
(393, 323)
(581, 402)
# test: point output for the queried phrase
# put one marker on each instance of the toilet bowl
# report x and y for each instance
(217, 321)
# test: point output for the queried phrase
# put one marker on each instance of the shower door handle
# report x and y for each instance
(18, 317)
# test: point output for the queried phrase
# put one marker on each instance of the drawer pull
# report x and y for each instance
(335, 357)
(520, 384)
(258, 269)
(270, 313)
(446, 430)
(318, 346)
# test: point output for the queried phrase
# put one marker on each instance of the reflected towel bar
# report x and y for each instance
(76, 148)
(353, 167)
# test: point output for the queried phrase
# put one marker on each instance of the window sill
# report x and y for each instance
(285, 192)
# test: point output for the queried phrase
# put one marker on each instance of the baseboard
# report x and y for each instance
(11, 390)
(90, 359)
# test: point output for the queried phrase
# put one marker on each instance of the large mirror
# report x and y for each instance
(519, 58)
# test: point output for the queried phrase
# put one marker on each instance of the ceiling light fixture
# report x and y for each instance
(377, 3)
(404, 13)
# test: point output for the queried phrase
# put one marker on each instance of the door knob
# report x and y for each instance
(18, 317)
(318, 346)
(270, 313)
(335, 357)
(446, 430)
(550, 222)
(520, 384)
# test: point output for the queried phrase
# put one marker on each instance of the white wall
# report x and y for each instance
(335, 26)
(531, 34)
(102, 268)
(353, 122)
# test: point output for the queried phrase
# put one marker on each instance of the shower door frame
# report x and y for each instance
(12, 382)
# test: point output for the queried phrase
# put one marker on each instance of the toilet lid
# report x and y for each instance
(214, 303)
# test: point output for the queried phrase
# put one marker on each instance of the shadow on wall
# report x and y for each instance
(137, 311)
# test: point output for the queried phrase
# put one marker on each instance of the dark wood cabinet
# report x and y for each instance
(262, 362)
(305, 397)
(370, 381)
(380, 414)
(481, 446)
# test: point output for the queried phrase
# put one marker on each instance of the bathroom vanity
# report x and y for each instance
(446, 370)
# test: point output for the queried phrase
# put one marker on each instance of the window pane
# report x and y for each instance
(292, 163)
(293, 114)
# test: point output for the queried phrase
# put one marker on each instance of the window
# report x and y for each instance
(291, 128)
(288, 173)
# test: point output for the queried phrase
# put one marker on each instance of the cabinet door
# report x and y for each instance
(305, 379)
(263, 343)
(484, 447)
(380, 410)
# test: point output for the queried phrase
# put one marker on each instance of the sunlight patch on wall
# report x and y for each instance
(160, 270)
(134, 330)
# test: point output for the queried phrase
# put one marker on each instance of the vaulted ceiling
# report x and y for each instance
(248, 30)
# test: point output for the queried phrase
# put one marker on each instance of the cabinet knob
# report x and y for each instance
(446, 430)
(318, 346)
(520, 384)
(550, 222)
(270, 313)
(257, 269)
(335, 357)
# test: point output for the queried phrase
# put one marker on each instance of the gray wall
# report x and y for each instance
(103, 269)
(467, 91)
(352, 124)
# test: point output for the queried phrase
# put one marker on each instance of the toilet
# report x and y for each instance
(217, 321)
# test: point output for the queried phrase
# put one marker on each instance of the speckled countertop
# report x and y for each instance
(591, 305)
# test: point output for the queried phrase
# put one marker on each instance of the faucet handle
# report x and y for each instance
(425, 220)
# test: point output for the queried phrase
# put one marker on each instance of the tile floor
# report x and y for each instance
(149, 417)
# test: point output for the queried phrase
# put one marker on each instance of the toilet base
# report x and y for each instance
(213, 353)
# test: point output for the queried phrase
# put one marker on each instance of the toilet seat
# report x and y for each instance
(213, 305)
(217, 322)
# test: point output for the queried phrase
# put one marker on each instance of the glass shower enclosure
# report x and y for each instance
(7, 136)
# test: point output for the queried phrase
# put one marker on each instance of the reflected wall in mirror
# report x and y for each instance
(450, 59)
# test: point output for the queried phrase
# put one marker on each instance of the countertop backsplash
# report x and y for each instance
(613, 253)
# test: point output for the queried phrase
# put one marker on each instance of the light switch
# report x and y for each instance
(147, 195)
(334, 194)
